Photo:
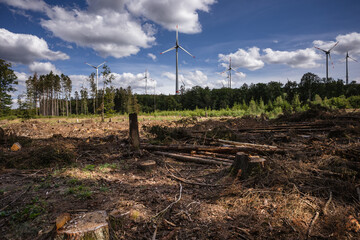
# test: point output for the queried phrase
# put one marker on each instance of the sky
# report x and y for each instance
(267, 40)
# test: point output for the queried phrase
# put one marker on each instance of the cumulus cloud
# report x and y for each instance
(117, 28)
(302, 58)
(191, 79)
(152, 56)
(347, 43)
(249, 59)
(169, 13)
(42, 68)
(108, 32)
(21, 77)
(34, 5)
(136, 81)
(26, 48)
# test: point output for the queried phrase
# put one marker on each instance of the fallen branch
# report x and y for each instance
(327, 204)
(313, 220)
(191, 159)
(170, 205)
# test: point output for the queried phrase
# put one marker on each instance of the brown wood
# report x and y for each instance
(2, 135)
(147, 165)
(92, 225)
(244, 165)
(134, 131)
(215, 149)
(191, 159)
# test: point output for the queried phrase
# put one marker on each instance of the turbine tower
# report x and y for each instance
(176, 47)
(229, 69)
(327, 56)
(146, 78)
(97, 73)
(347, 67)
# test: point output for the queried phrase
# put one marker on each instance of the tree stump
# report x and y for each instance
(92, 225)
(147, 166)
(2, 136)
(134, 131)
(244, 165)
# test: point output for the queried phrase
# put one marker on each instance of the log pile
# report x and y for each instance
(241, 157)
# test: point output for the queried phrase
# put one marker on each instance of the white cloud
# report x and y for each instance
(34, 5)
(79, 81)
(136, 81)
(43, 68)
(117, 28)
(347, 43)
(152, 56)
(26, 48)
(21, 77)
(108, 32)
(302, 58)
(240, 75)
(191, 78)
(169, 13)
(249, 59)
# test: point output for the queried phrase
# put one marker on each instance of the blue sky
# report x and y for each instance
(267, 40)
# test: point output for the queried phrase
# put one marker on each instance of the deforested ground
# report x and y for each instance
(308, 188)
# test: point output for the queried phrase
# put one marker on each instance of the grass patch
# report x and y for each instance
(81, 192)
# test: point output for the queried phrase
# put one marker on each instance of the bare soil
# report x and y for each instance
(69, 167)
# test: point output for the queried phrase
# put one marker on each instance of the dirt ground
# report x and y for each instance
(309, 189)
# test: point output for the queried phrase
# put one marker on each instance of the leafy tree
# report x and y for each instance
(7, 82)
(307, 86)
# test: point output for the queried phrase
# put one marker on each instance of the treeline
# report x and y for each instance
(50, 95)
(267, 93)
(47, 95)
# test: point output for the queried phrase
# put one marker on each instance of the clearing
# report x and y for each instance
(308, 187)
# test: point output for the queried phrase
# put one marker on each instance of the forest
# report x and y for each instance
(53, 95)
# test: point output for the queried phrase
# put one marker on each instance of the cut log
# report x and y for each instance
(191, 159)
(250, 145)
(189, 148)
(92, 225)
(244, 165)
(215, 149)
(134, 131)
(147, 166)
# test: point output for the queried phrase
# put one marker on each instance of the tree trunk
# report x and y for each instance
(134, 131)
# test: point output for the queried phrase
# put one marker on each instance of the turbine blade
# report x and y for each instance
(352, 59)
(101, 64)
(90, 65)
(177, 34)
(320, 49)
(333, 46)
(186, 51)
(168, 50)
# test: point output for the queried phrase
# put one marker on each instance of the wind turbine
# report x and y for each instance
(327, 56)
(229, 69)
(97, 73)
(146, 79)
(176, 47)
(347, 68)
